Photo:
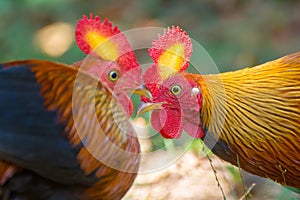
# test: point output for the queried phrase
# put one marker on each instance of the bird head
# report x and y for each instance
(110, 58)
(176, 101)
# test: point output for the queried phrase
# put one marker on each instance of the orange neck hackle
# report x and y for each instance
(252, 116)
(91, 126)
(255, 112)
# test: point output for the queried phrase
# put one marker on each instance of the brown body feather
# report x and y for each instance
(255, 112)
(3, 168)
(112, 183)
(99, 128)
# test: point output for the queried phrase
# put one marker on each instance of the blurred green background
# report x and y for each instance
(236, 33)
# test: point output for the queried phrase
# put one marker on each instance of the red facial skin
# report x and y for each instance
(126, 65)
(126, 78)
(182, 111)
(179, 112)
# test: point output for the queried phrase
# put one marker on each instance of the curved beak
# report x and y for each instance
(141, 90)
(146, 107)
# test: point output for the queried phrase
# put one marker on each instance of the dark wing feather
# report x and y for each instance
(45, 102)
(30, 135)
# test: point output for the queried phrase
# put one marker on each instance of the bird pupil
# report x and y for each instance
(175, 89)
(114, 75)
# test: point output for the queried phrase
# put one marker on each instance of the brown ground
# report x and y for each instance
(192, 178)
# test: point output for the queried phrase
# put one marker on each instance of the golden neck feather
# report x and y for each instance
(256, 112)
(257, 102)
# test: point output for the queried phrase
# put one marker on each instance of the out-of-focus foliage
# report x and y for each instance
(235, 33)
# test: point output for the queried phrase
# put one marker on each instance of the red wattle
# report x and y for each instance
(126, 103)
(167, 122)
(194, 130)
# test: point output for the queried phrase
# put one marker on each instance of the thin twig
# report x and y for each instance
(242, 178)
(282, 172)
(215, 173)
(248, 191)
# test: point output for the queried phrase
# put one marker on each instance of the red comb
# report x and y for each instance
(151, 79)
(151, 75)
(172, 36)
(118, 48)
(93, 24)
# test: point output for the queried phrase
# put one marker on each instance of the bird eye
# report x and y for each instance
(113, 75)
(176, 89)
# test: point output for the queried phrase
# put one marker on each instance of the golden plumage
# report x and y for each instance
(90, 97)
(256, 112)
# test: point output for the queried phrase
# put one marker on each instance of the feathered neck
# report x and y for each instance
(255, 115)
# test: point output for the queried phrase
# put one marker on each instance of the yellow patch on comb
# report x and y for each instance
(171, 60)
(102, 46)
